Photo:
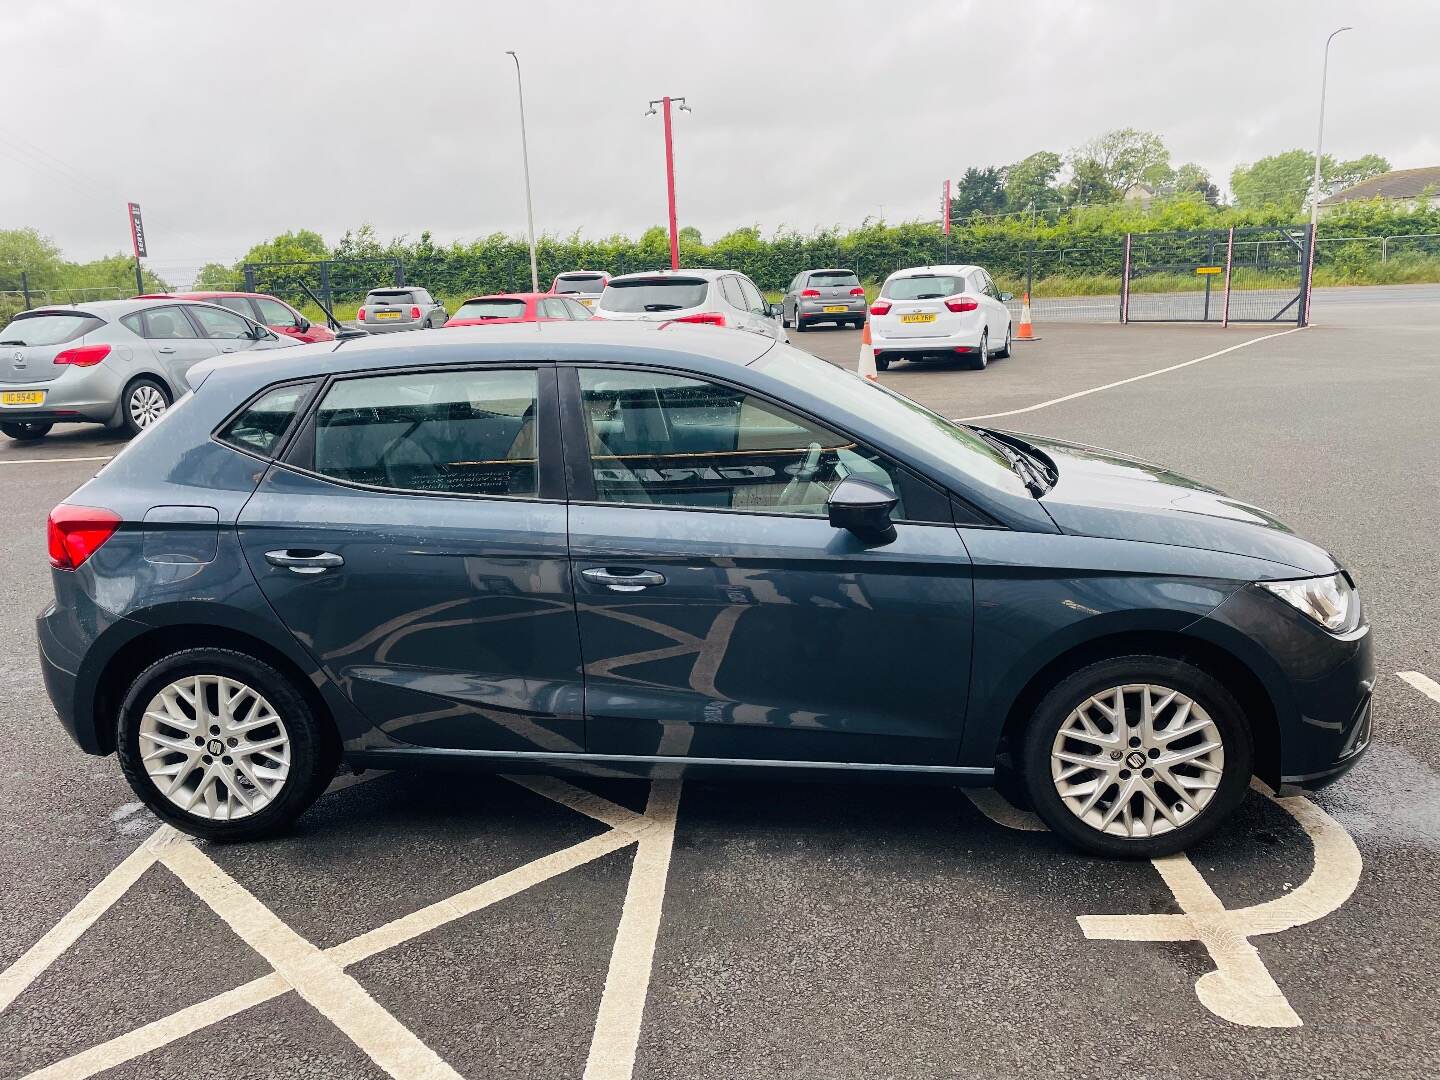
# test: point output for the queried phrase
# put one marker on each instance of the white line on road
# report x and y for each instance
(1124, 382)
(52, 460)
(1426, 685)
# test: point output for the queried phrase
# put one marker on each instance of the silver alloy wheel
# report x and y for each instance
(1137, 760)
(214, 747)
(985, 350)
(147, 404)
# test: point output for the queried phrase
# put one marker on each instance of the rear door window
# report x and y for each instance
(578, 310)
(554, 309)
(221, 323)
(438, 433)
(240, 304)
(730, 289)
(165, 324)
(753, 300)
(264, 422)
(274, 313)
(655, 294)
(48, 328)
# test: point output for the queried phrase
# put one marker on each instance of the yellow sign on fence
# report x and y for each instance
(1209, 270)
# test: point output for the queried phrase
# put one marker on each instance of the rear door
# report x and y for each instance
(230, 332)
(415, 542)
(175, 340)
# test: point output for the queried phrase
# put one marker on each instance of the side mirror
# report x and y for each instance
(775, 311)
(302, 324)
(864, 509)
(1006, 297)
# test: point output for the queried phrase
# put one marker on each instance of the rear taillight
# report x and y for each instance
(857, 291)
(83, 355)
(962, 303)
(75, 533)
(709, 318)
(809, 292)
(880, 307)
(415, 313)
(360, 315)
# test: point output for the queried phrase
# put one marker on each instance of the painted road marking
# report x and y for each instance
(53, 460)
(1426, 685)
(319, 975)
(1241, 988)
(1126, 382)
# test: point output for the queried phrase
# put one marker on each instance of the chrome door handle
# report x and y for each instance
(623, 580)
(304, 562)
(227, 348)
(165, 349)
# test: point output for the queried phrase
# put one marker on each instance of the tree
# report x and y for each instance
(979, 191)
(27, 250)
(689, 234)
(1348, 173)
(1125, 157)
(1031, 181)
(1191, 178)
(302, 245)
(1089, 184)
(1284, 180)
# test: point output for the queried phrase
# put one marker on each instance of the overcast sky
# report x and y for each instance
(230, 122)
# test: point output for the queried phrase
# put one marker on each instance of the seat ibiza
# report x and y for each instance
(659, 549)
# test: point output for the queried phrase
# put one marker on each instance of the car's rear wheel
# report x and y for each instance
(800, 326)
(221, 745)
(980, 358)
(26, 430)
(882, 362)
(1137, 757)
(784, 319)
(143, 403)
(1005, 352)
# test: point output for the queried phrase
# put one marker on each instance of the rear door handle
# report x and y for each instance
(167, 349)
(622, 580)
(304, 562)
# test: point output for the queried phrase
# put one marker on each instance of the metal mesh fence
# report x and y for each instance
(1241, 275)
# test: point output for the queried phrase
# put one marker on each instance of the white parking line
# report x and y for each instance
(1426, 685)
(1125, 382)
(52, 460)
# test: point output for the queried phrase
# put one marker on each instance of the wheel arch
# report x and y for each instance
(1237, 676)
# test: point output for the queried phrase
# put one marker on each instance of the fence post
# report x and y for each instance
(1209, 262)
(1384, 248)
(25, 288)
(399, 272)
(1229, 261)
(325, 286)
(1030, 268)
(250, 277)
(1307, 274)
(1125, 284)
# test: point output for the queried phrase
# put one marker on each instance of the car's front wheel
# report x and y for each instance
(221, 745)
(1137, 757)
(26, 430)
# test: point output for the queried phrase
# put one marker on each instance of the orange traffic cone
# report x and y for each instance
(866, 368)
(1025, 331)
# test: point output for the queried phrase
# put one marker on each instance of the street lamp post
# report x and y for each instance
(664, 103)
(525, 157)
(1320, 135)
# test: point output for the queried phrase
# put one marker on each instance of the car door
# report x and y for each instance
(720, 614)
(176, 342)
(230, 332)
(414, 542)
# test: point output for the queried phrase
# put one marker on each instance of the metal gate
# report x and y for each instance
(331, 280)
(1252, 274)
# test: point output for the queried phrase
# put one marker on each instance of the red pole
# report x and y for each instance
(670, 188)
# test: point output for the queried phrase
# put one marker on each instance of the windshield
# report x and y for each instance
(491, 309)
(51, 329)
(654, 294)
(923, 287)
(588, 283)
(928, 432)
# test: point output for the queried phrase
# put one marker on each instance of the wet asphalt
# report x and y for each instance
(814, 931)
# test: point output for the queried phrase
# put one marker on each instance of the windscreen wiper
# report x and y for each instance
(1031, 475)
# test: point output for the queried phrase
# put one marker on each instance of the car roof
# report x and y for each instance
(830, 270)
(206, 294)
(707, 274)
(115, 309)
(592, 341)
(944, 268)
(582, 273)
(507, 296)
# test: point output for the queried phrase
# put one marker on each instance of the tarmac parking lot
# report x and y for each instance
(439, 926)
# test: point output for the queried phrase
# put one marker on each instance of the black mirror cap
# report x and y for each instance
(864, 509)
(302, 324)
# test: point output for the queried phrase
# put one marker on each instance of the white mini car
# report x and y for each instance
(940, 313)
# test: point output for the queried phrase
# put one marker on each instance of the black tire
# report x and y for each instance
(800, 326)
(980, 360)
(1009, 340)
(26, 430)
(139, 391)
(1071, 692)
(784, 319)
(882, 363)
(314, 750)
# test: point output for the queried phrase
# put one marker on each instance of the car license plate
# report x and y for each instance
(921, 316)
(22, 397)
(833, 307)
(387, 315)
(588, 303)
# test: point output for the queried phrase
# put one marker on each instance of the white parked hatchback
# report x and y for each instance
(712, 297)
(940, 313)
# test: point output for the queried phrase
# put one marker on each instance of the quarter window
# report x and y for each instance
(449, 432)
(673, 441)
(260, 427)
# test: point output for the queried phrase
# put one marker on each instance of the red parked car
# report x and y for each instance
(520, 307)
(266, 310)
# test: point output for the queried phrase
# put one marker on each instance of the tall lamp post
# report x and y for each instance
(1320, 135)
(664, 103)
(525, 157)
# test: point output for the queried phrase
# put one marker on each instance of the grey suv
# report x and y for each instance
(386, 311)
(817, 296)
(114, 362)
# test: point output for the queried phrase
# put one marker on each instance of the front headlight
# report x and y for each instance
(1330, 601)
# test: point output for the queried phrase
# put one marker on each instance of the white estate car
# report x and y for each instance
(713, 297)
(938, 313)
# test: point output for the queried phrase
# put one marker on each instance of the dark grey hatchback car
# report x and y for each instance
(640, 549)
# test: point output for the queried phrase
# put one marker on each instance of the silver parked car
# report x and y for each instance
(402, 308)
(114, 362)
(710, 297)
(817, 296)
